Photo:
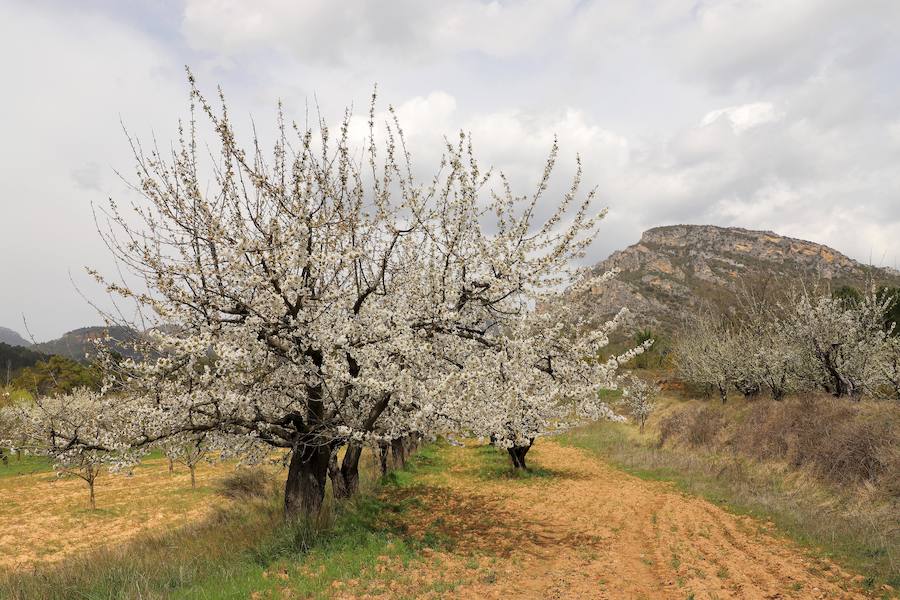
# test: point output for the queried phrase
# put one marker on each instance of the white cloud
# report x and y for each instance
(322, 30)
(745, 116)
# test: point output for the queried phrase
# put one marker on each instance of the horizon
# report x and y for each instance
(25, 334)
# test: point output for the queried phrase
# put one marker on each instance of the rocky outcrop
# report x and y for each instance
(675, 269)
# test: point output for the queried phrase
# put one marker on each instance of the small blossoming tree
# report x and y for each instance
(639, 398)
(80, 433)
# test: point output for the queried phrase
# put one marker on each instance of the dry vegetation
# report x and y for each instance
(852, 445)
(45, 518)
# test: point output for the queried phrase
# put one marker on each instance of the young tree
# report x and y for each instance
(79, 432)
(189, 450)
(639, 398)
(703, 352)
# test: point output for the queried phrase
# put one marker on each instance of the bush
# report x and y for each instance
(694, 426)
(244, 484)
(840, 442)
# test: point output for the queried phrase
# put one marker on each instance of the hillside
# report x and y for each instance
(13, 358)
(79, 343)
(12, 338)
(677, 268)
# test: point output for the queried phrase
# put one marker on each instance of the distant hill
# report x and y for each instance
(13, 358)
(8, 336)
(80, 343)
(675, 269)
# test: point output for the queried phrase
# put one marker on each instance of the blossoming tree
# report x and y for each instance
(81, 433)
(314, 297)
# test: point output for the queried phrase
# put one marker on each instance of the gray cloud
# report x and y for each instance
(781, 116)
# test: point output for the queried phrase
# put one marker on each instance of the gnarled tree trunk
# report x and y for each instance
(305, 486)
(398, 450)
(517, 455)
(345, 477)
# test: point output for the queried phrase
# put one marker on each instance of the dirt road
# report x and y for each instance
(586, 530)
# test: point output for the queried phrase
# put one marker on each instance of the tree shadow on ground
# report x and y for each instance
(476, 523)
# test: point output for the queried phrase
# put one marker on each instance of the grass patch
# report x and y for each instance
(494, 463)
(244, 548)
(24, 465)
(841, 526)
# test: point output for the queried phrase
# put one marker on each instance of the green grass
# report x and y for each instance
(494, 463)
(831, 525)
(24, 465)
(28, 464)
(248, 547)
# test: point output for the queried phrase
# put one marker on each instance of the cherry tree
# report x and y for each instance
(703, 352)
(315, 297)
(840, 341)
(189, 450)
(80, 433)
(639, 398)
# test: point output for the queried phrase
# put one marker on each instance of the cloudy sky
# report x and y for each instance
(767, 115)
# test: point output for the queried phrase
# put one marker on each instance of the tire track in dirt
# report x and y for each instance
(592, 531)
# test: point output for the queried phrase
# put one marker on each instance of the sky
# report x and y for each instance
(782, 116)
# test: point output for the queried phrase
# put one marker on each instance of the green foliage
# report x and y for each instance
(849, 295)
(14, 358)
(852, 296)
(57, 375)
(893, 313)
(655, 356)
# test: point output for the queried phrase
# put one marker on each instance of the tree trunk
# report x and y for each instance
(383, 458)
(398, 450)
(193, 469)
(749, 390)
(350, 468)
(305, 486)
(90, 483)
(723, 393)
(171, 465)
(517, 455)
(345, 478)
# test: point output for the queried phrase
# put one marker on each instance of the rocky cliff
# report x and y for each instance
(677, 268)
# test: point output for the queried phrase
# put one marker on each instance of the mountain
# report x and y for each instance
(8, 336)
(676, 269)
(80, 343)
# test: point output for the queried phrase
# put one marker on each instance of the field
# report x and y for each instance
(456, 523)
(46, 518)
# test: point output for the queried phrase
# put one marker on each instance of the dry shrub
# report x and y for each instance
(839, 440)
(247, 483)
(695, 426)
(671, 425)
